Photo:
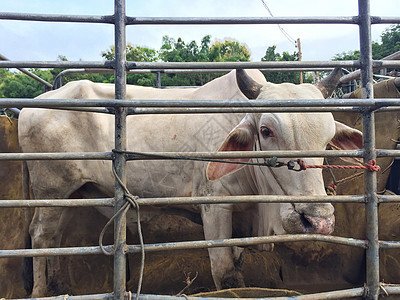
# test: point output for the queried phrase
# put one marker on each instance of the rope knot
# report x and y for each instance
(372, 166)
(301, 164)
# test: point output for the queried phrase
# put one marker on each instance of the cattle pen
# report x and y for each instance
(122, 107)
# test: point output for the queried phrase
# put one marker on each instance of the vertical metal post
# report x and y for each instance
(120, 144)
(158, 79)
(372, 252)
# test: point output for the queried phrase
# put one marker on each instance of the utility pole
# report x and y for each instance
(299, 47)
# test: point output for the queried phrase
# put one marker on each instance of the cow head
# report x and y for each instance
(287, 131)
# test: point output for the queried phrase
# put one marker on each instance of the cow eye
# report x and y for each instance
(265, 132)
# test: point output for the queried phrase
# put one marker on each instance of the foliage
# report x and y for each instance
(279, 77)
(350, 55)
(15, 84)
(229, 50)
(19, 85)
(133, 53)
(178, 51)
(390, 43)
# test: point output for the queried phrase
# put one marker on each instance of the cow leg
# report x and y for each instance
(46, 232)
(217, 224)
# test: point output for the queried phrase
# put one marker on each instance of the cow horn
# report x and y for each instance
(247, 85)
(329, 83)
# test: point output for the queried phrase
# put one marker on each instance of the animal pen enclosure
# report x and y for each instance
(121, 108)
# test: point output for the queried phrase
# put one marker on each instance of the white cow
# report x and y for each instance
(43, 130)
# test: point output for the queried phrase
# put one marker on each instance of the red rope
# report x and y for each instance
(371, 165)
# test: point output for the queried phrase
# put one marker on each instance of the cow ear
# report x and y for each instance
(241, 138)
(346, 138)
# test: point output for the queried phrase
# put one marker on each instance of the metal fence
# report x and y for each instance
(119, 20)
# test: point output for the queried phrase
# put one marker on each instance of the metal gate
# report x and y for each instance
(368, 106)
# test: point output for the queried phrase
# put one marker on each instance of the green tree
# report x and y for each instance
(279, 77)
(19, 85)
(390, 43)
(229, 50)
(179, 51)
(4, 75)
(133, 53)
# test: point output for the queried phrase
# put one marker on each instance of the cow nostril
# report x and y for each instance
(307, 225)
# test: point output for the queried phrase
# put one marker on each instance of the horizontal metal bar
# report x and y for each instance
(79, 297)
(386, 109)
(339, 294)
(252, 199)
(388, 198)
(179, 155)
(389, 244)
(56, 18)
(265, 103)
(57, 202)
(176, 71)
(56, 64)
(186, 245)
(239, 20)
(392, 289)
(385, 20)
(184, 71)
(53, 251)
(381, 64)
(196, 65)
(247, 242)
(387, 153)
(211, 110)
(186, 200)
(242, 154)
(243, 65)
(180, 65)
(109, 19)
(57, 156)
(178, 21)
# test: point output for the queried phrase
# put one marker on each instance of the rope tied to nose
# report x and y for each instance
(131, 201)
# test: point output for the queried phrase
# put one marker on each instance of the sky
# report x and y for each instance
(23, 40)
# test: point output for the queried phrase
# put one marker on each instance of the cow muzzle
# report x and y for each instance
(299, 221)
(310, 224)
